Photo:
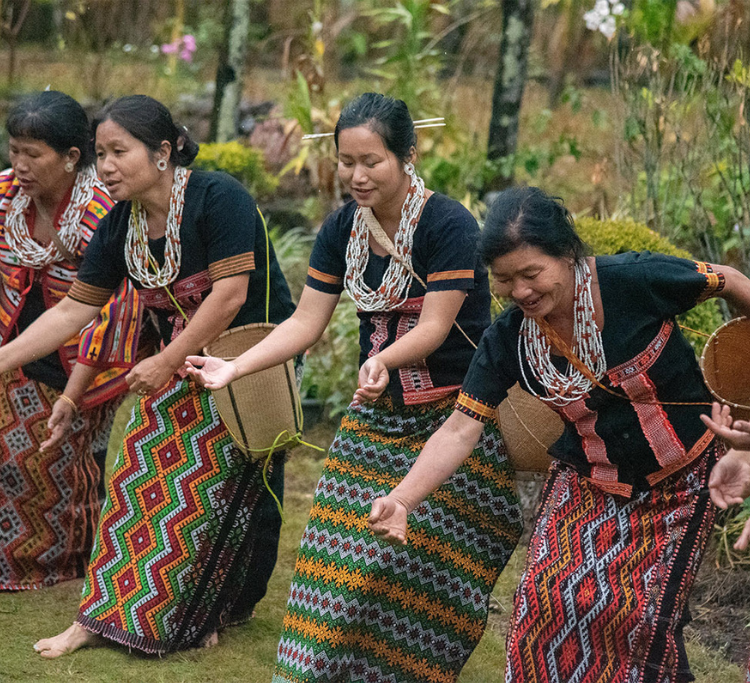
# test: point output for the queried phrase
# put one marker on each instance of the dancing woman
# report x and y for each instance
(359, 610)
(51, 487)
(626, 513)
(176, 555)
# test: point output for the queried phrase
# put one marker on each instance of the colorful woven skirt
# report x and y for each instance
(361, 610)
(49, 502)
(179, 536)
(604, 594)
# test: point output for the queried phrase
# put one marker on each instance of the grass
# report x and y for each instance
(245, 653)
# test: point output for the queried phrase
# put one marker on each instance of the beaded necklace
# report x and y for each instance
(394, 289)
(141, 264)
(29, 251)
(534, 347)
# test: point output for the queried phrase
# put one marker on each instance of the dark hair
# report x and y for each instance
(54, 118)
(388, 117)
(528, 216)
(149, 121)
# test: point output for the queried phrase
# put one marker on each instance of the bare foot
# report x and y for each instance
(211, 640)
(66, 642)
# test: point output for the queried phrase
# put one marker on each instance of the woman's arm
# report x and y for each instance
(438, 313)
(736, 289)
(442, 455)
(47, 333)
(294, 335)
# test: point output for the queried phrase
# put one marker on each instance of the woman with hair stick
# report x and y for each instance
(625, 514)
(407, 256)
(187, 537)
(51, 489)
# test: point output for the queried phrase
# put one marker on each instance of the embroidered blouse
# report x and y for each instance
(629, 443)
(445, 257)
(110, 342)
(221, 235)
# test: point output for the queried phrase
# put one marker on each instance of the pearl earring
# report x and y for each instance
(69, 167)
(161, 164)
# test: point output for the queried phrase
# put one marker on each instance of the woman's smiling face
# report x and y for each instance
(370, 171)
(538, 283)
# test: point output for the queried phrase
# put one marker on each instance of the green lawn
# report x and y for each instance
(245, 653)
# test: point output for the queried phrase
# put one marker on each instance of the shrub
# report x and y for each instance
(617, 236)
(247, 164)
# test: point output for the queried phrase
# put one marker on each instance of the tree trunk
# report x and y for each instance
(228, 96)
(510, 80)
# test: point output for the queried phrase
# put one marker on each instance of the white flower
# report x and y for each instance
(593, 20)
(154, 49)
(127, 47)
(617, 8)
(602, 7)
(608, 27)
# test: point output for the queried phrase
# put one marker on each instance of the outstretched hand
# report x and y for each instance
(388, 520)
(211, 372)
(735, 432)
(373, 379)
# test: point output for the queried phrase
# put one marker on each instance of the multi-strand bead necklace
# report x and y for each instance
(394, 289)
(141, 264)
(534, 347)
(29, 251)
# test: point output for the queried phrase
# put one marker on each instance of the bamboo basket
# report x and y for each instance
(529, 428)
(262, 411)
(726, 367)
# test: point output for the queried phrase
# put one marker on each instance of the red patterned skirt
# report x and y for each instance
(604, 594)
(49, 502)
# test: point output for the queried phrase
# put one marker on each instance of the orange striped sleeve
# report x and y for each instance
(324, 277)
(475, 408)
(233, 265)
(89, 294)
(451, 275)
(714, 280)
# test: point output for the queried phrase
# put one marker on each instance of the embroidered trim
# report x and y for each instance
(324, 277)
(645, 359)
(584, 420)
(715, 280)
(451, 275)
(89, 294)
(474, 408)
(698, 448)
(417, 397)
(233, 265)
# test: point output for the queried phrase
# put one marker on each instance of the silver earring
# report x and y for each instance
(161, 164)
(69, 167)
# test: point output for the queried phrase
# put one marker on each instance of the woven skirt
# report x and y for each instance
(361, 610)
(604, 594)
(184, 530)
(49, 502)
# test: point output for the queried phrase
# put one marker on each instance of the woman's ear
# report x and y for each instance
(73, 155)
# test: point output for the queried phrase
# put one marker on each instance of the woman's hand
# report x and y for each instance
(729, 482)
(150, 375)
(388, 520)
(58, 425)
(212, 373)
(373, 379)
(735, 432)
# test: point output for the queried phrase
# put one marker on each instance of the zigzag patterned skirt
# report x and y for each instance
(604, 594)
(361, 610)
(180, 528)
(49, 502)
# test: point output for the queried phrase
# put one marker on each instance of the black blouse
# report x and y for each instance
(221, 235)
(629, 442)
(444, 255)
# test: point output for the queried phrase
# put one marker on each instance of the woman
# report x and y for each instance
(356, 609)
(625, 514)
(50, 205)
(186, 511)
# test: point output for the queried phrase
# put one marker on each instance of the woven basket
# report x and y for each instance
(725, 364)
(529, 428)
(262, 410)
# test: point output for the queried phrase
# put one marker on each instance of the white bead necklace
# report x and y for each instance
(534, 347)
(141, 264)
(29, 251)
(394, 289)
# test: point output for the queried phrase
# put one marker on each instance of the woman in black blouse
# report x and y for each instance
(187, 537)
(625, 513)
(419, 311)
